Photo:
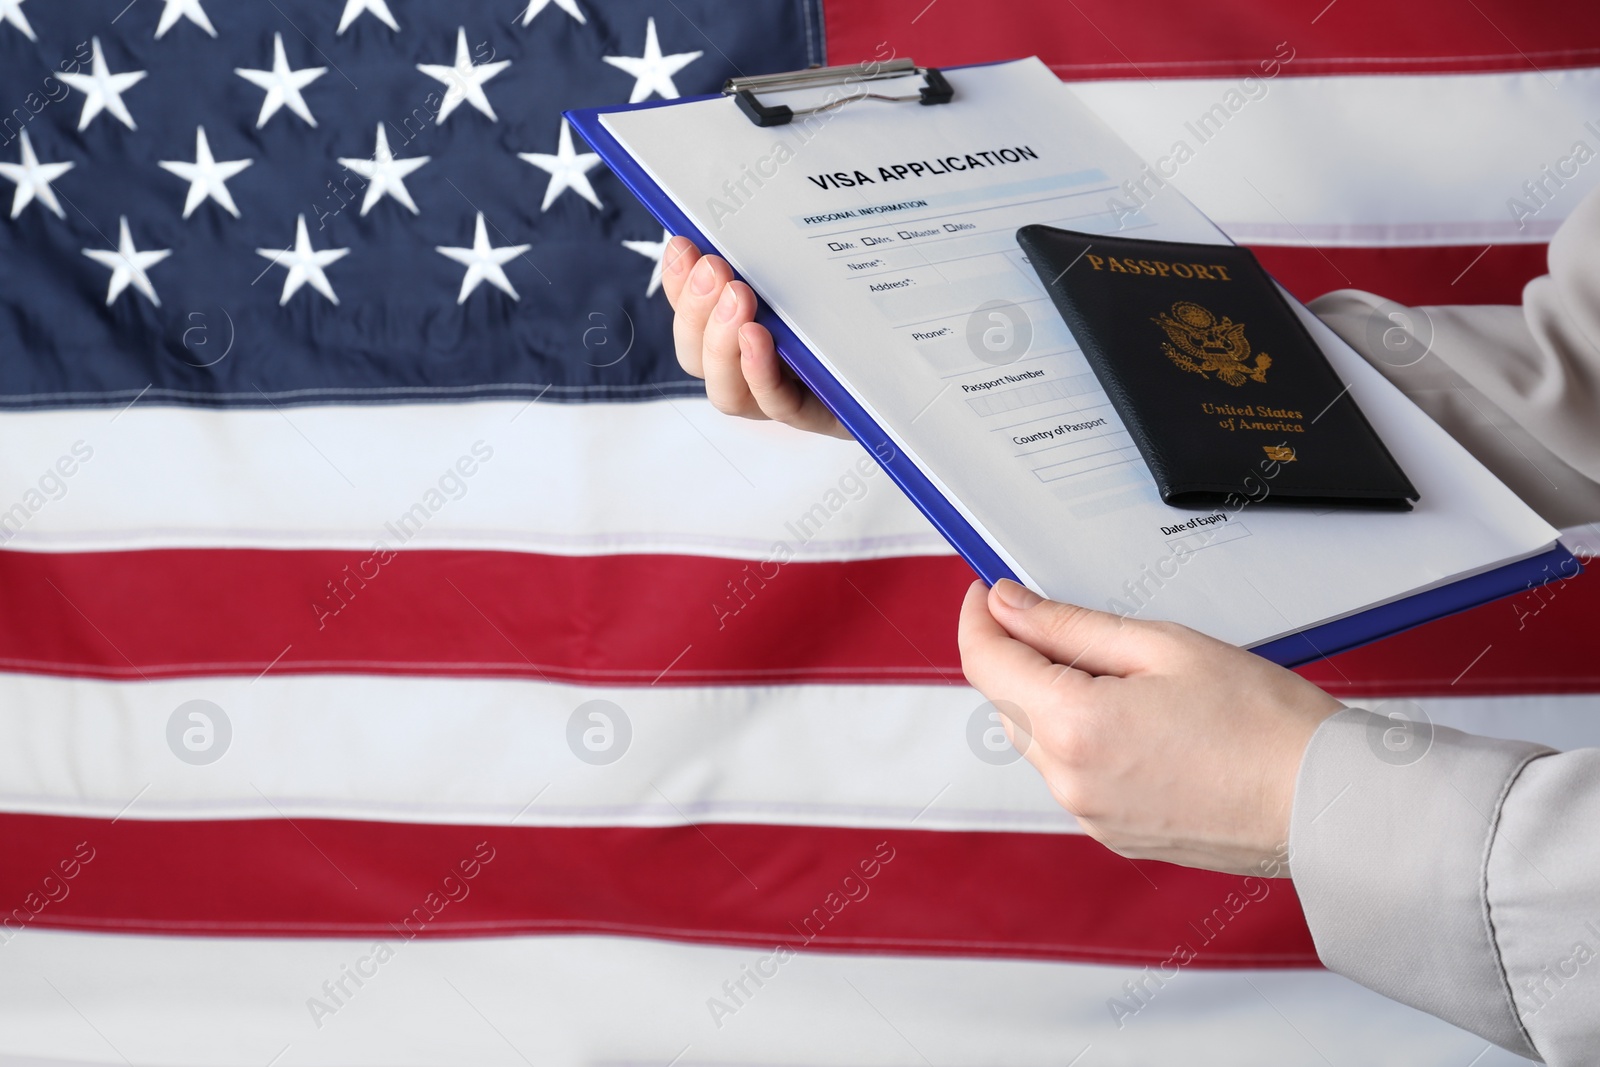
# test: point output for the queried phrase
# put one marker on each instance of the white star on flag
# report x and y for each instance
(282, 84)
(33, 180)
(304, 264)
(651, 250)
(652, 72)
(11, 11)
(536, 6)
(483, 263)
(385, 174)
(567, 169)
(353, 10)
(128, 266)
(183, 9)
(206, 176)
(464, 82)
(102, 90)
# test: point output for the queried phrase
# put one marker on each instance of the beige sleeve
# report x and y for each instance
(1456, 873)
(1518, 386)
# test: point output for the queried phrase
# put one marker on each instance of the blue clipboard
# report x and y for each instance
(1318, 642)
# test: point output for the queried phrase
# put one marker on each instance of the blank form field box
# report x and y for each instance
(1208, 537)
(998, 403)
(1094, 455)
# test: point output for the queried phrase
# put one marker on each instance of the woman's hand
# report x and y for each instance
(718, 340)
(1165, 743)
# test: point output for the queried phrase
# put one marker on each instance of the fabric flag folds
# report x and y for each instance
(401, 662)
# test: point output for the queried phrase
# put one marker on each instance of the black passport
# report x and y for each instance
(1220, 385)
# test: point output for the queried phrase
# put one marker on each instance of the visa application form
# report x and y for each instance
(884, 236)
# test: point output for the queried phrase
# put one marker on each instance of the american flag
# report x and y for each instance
(395, 667)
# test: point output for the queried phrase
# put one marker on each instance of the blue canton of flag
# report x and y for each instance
(253, 202)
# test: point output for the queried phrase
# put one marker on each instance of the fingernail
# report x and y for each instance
(1016, 596)
(703, 278)
(746, 345)
(728, 304)
(676, 254)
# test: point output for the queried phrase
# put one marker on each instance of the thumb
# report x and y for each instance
(1096, 642)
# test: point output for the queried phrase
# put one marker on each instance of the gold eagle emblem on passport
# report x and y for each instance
(1200, 342)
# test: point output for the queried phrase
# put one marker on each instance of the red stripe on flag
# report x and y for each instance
(622, 620)
(1430, 274)
(1048, 896)
(1110, 39)
(611, 619)
(1539, 641)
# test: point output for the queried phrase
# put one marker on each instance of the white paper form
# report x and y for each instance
(884, 236)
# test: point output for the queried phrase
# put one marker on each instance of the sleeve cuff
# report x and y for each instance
(1388, 844)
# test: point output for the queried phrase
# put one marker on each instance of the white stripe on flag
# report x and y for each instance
(490, 751)
(1366, 159)
(571, 479)
(105, 999)
(566, 479)
(480, 750)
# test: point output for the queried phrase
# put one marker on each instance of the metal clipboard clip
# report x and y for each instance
(935, 89)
